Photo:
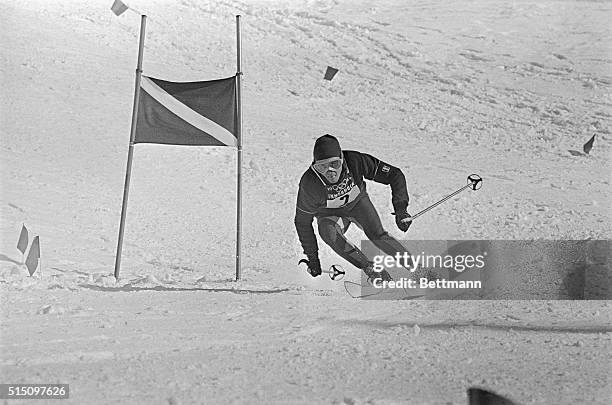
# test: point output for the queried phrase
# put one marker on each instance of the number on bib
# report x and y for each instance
(344, 199)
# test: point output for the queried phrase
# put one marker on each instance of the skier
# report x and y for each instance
(333, 191)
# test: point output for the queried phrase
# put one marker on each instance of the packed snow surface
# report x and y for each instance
(441, 89)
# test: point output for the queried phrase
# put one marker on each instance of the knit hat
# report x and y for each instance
(325, 147)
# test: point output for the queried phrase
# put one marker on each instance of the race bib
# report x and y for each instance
(342, 193)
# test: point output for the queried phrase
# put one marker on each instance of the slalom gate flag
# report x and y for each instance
(589, 145)
(22, 243)
(190, 113)
(118, 7)
(330, 72)
(33, 256)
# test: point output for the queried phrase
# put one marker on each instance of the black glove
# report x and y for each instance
(314, 265)
(400, 221)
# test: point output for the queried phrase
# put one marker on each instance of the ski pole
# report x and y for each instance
(336, 272)
(474, 182)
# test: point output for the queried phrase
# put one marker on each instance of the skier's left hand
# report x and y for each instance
(314, 265)
(401, 221)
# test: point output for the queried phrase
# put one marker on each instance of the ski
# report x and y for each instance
(355, 290)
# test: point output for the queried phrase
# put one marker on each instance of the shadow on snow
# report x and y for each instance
(582, 327)
(130, 288)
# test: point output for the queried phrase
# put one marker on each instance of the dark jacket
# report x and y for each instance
(319, 198)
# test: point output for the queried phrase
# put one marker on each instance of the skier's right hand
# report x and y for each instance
(402, 220)
(314, 265)
(402, 217)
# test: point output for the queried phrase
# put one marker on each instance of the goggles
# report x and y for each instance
(324, 165)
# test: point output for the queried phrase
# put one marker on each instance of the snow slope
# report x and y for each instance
(508, 90)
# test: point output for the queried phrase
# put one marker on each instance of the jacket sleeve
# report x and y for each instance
(376, 170)
(305, 210)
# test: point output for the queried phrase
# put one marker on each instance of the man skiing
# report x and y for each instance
(333, 191)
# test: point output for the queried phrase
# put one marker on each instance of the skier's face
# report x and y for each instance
(330, 168)
(333, 175)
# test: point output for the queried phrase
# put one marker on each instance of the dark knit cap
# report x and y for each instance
(325, 147)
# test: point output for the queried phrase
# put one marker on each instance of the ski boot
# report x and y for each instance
(373, 275)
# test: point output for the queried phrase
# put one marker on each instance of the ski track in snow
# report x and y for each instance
(508, 90)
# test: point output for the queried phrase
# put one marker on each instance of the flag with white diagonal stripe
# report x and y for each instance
(188, 113)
